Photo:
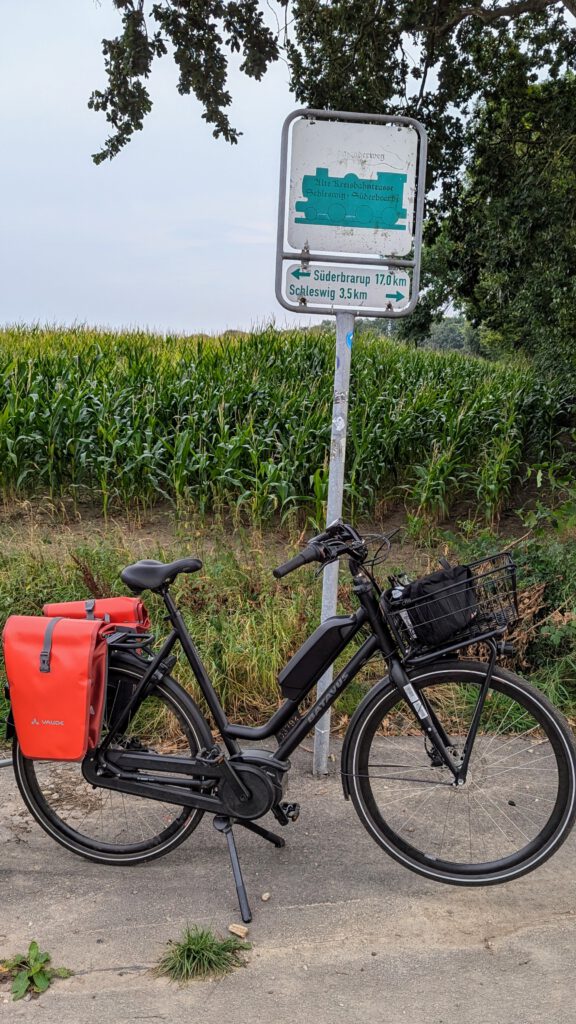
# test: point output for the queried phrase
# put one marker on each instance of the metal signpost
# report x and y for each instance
(349, 241)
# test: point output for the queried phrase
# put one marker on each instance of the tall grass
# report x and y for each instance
(247, 625)
(242, 424)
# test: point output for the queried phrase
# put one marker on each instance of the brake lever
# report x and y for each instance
(347, 551)
(318, 572)
(327, 534)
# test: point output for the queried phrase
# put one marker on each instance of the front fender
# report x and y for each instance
(382, 684)
(414, 674)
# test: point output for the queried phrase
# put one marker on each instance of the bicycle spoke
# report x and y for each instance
(449, 807)
(478, 789)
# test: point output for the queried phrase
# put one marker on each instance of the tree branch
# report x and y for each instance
(509, 11)
(429, 57)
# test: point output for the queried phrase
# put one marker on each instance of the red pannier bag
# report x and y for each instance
(126, 611)
(56, 671)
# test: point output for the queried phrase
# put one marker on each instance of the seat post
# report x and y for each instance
(170, 605)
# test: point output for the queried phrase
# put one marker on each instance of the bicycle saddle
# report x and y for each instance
(149, 574)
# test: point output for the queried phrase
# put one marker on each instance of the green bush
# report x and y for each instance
(546, 566)
(247, 625)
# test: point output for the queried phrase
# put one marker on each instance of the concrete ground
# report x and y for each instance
(348, 934)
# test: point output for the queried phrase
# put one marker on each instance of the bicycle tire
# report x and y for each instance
(101, 824)
(522, 809)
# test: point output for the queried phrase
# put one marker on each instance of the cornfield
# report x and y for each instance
(242, 423)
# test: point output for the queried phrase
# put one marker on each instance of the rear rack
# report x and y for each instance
(128, 639)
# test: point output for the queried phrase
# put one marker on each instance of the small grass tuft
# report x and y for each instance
(201, 954)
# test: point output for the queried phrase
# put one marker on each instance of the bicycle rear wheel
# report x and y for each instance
(518, 803)
(107, 826)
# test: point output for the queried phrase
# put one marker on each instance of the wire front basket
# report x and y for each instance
(454, 606)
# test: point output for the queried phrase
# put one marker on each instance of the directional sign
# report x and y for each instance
(346, 287)
(350, 213)
(352, 187)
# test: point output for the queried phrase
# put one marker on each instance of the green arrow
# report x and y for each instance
(300, 273)
(395, 295)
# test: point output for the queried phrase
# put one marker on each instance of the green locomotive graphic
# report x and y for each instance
(353, 202)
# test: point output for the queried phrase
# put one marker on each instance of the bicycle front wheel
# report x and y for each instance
(517, 805)
(112, 827)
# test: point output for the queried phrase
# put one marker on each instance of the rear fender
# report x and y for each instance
(10, 730)
(138, 665)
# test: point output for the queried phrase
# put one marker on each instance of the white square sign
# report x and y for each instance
(352, 187)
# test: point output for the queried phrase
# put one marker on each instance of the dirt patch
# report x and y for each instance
(55, 528)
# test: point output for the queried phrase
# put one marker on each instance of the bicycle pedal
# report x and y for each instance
(286, 812)
(292, 811)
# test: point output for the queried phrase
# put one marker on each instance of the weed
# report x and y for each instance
(421, 530)
(31, 972)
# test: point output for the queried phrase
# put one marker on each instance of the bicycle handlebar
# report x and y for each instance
(337, 540)
(312, 553)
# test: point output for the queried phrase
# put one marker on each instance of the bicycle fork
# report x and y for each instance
(433, 728)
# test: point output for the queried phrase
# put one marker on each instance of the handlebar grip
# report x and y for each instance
(310, 554)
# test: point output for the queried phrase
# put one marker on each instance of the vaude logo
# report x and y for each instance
(45, 721)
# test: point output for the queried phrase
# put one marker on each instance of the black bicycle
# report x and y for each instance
(458, 768)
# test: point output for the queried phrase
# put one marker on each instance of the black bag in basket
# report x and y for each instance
(444, 604)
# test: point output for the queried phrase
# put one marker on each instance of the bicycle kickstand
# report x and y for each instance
(264, 833)
(223, 824)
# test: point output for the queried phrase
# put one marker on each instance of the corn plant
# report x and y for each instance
(242, 425)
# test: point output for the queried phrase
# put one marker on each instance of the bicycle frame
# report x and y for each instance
(380, 641)
(229, 731)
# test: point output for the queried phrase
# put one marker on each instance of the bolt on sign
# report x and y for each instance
(351, 193)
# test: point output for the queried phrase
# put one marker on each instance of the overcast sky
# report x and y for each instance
(176, 233)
